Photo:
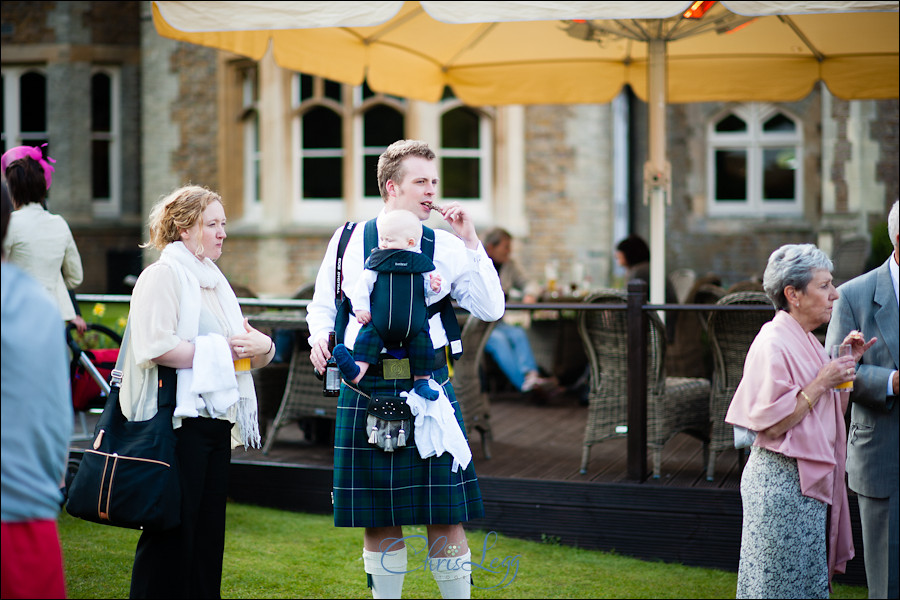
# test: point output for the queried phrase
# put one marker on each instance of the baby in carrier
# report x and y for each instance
(390, 302)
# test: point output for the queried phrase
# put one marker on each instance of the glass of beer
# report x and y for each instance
(837, 351)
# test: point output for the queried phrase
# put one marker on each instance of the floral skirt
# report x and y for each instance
(783, 550)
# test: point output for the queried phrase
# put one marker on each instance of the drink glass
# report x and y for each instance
(837, 351)
(551, 273)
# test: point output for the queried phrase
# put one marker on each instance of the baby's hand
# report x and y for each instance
(435, 282)
(363, 316)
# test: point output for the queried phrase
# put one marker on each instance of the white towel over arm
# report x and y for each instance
(214, 379)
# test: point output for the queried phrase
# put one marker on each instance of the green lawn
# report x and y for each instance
(277, 554)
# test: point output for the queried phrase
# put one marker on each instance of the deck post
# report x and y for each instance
(637, 381)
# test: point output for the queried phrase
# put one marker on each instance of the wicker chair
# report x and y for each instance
(303, 397)
(730, 334)
(689, 355)
(473, 400)
(674, 404)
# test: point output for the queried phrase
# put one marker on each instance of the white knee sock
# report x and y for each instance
(386, 571)
(454, 576)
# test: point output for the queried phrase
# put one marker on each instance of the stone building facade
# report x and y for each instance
(565, 180)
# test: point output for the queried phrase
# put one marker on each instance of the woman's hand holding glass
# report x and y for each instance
(853, 347)
(844, 365)
(247, 345)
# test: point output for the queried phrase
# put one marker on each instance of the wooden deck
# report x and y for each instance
(533, 440)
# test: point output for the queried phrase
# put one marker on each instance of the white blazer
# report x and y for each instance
(41, 244)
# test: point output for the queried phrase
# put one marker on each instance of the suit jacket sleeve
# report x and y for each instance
(855, 309)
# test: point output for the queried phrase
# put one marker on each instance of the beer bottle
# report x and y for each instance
(331, 385)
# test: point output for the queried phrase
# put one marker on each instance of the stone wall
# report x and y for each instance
(66, 39)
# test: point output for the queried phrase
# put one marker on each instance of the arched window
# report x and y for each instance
(106, 155)
(755, 162)
(339, 131)
(319, 133)
(322, 154)
(249, 119)
(24, 107)
(465, 155)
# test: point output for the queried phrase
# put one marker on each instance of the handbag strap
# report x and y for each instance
(117, 373)
(167, 379)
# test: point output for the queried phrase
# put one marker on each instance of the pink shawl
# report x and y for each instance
(782, 359)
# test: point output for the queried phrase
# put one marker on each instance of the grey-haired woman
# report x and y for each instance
(791, 544)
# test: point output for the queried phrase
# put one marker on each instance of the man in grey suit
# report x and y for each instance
(869, 303)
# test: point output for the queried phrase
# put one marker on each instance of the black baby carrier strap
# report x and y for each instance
(443, 306)
(341, 302)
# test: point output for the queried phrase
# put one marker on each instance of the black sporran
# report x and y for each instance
(389, 422)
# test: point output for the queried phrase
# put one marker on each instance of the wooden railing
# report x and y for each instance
(636, 307)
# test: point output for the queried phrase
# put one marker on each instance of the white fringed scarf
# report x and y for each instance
(193, 274)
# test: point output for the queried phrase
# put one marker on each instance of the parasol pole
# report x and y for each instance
(657, 169)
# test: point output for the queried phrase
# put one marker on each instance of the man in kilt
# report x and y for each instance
(382, 491)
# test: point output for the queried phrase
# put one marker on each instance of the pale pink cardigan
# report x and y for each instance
(782, 359)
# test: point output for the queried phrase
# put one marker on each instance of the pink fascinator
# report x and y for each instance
(34, 152)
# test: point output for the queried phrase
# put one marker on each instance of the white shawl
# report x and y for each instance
(194, 274)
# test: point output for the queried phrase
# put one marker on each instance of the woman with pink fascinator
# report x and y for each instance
(38, 241)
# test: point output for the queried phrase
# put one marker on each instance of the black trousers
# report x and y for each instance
(186, 562)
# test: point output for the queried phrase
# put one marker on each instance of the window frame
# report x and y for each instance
(369, 205)
(110, 207)
(316, 211)
(480, 208)
(12, 134)
(251, 191)
(754, 141)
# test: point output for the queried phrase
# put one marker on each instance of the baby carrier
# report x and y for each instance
(370, 243)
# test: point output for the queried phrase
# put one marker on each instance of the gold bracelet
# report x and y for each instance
(808, 401)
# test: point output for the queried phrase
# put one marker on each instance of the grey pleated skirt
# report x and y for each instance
(783, 550)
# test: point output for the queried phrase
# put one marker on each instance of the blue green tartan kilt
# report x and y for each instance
(374, 488)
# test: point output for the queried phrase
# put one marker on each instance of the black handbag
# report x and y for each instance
(389, 422)
(129, 477)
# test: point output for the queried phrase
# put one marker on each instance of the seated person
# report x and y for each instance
(508, 344)
(633, 253)
(395, 272)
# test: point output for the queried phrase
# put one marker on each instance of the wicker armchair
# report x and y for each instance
(674, 404)
(730, 334)
(303, 397)
(473, 400)
(689, 354)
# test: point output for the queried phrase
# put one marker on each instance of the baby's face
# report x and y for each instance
(394, 242)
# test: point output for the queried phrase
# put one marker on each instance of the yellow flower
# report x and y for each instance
(99, 309)
(121, 323)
